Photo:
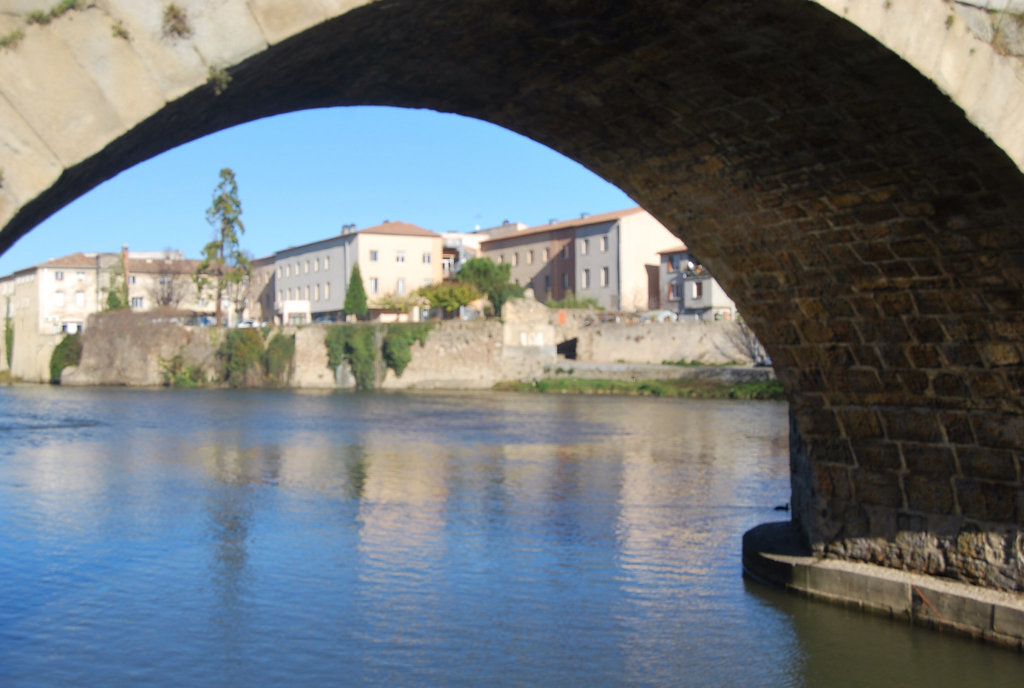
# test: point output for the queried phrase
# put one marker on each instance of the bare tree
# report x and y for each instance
(744, 339)
(171, 284)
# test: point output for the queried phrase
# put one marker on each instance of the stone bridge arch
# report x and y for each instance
(869, 227)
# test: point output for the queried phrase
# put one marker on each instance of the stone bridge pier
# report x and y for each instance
(850, 171)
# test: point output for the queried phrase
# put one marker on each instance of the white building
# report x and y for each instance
(395, 259)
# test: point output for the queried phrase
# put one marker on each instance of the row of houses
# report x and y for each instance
(624, 261)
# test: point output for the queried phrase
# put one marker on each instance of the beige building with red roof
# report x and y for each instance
(611, 258)
(394, 258)
(47, 301)
(44, 302)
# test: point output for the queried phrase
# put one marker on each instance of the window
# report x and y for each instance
(132, 279)
(280, 295)
(426, 282)
(287, 270)
(289, 293)
(80, 276)
(673, 263)
(327, 262)
(316, 293)
(298, 268)
(327, 291)
(547, 283)
(585, 247)
(80, 298)
(585, 280)
(604, 277)
(426, 258)
(59, 275)
(501, 258)
(674, 291)
(698, 290)
(316, 265)
(547, 255)
(307, 292)
(400, 257)
(278, 272)
(529, 257)
(400, 286)
(307, 267)
(604, 243)
(374, 256)
(374, 285)
(565, 252)
(565, 280)
(136, 302)
(58, 299)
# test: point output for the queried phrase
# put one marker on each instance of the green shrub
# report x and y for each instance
(117, 30)
(241, 351)
(219, 79)
(570, 301)
(354, 343)
(277, 359)
(66, 6)
(12, 39)
(39, 17)
(398, 341)
(67, 353)
(175, 23)
(177, 374)
(9, 340)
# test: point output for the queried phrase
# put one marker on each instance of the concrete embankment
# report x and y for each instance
(773, 554)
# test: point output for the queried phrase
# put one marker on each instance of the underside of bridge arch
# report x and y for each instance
(870, 235)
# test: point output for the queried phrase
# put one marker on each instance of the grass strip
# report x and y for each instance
(683, 388)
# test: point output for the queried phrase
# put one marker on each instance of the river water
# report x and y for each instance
(215, 538)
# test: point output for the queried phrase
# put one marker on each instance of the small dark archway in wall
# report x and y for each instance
(568, 348)
(869, 234)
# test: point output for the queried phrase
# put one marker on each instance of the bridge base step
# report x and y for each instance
(773, 554)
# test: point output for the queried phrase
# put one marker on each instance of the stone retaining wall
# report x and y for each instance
(704, 342)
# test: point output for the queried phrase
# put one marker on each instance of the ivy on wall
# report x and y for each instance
(359, 346)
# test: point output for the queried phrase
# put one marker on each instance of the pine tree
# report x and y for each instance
(355, 296)
(223, 262)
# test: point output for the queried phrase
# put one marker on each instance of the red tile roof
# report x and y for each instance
(401, 228)
(72, 260)
(160, 266)
(678, 249)
(566, 224)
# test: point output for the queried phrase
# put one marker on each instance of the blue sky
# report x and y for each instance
(301, 176)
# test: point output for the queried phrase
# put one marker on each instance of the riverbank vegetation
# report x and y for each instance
(686, 388)
(177, 373)
(359, 346)
(67, 353)
(277, 359)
